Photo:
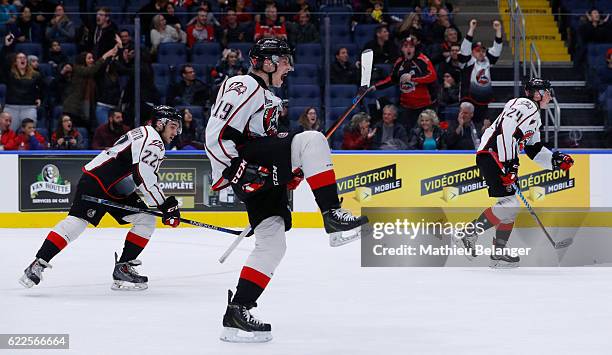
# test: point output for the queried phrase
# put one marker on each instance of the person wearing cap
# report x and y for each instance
(476, 74)
(416, 77)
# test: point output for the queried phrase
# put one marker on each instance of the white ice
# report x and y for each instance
(320, 301)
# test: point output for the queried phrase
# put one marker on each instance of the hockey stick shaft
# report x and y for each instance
(159, 214)
(561, 244)
(339, 121)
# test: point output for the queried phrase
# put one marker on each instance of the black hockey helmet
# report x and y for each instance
(164, 114)
(269, 48)
(537, 84)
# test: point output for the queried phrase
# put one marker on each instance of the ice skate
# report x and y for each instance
(342, 226)
(239, 326)
(32, 275)
(126, 278)
(504, 261)
(468, 242)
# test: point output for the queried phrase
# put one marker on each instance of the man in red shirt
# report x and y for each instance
(107, 134)
(270, 26)
(416, 76)
(201, 30)
(8, 138)
(29, 138)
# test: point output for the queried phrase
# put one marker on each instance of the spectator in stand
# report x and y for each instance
(8, 13)
(452, 64)
(171, 18)
(476, 74)
(234, 31)
(66, 137)
(189, 91)
(464, 134)
(25, 29)
(8, 138)
(56, 58)
(242, 12)
(374, 14)
(34, 62)
(149, 96)
(443, 23)
(103, 34)
(342, 70)
(108, 89)
(270, 26)
(200, 30)
(430, 13)
(23, 84)
(60, 27)
(107, 134)
(150, 10)
(596, 30)
(449, 91)
(385, 51)
(416, 77)
(28, 138)
(309, 120)
(427, 135)
(442, 51)
(410, 26)
(389, 135)
(42, 11)
(231, 64)
(191, 137)
(358, 135)
(162, 33)
(81, 92)
(59, 86)
(302, 31)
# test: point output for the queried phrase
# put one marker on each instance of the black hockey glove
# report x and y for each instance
(246, 178)
(170, 209)
(562, 161)
(510, 174)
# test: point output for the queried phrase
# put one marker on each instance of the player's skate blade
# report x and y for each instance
(119, 285)
(235, 335)
(504, 262)
(32, 275)
(342, 226)
(126, 278)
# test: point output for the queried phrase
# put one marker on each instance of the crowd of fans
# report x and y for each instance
(442, 77)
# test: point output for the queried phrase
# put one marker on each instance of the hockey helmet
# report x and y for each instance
(537, 85)
(164, 114)
(269, 48)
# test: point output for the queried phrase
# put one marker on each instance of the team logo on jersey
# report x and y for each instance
(482, 78)
(526, 137)
(526, 104)
(406, 85)
(50, 180)
(270, 120)
(282, 134)
(236, 86)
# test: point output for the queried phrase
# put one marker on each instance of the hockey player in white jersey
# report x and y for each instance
(115, 174)
(515, 129)
(247, 153)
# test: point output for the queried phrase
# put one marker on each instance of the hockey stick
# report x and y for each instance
(557, 245)
(159, 214)
(367, 58)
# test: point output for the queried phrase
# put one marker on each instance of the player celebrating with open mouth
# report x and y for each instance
(261, 165)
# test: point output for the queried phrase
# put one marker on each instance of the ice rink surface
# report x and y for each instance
(320, 301)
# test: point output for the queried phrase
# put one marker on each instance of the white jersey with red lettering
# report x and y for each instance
(516, 128)
(131, 164)
(245, 108)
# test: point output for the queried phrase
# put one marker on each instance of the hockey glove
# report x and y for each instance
(297, 176)
(170, 209)
(510, 172)
(562, 161)
(246, 178)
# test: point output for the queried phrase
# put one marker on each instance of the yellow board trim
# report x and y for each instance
(300, 219)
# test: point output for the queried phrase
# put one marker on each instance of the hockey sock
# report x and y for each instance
(51, 246)
(502, 234)
(134, 244)
(325, 190)
(487, 219)
(250, 286)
